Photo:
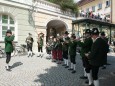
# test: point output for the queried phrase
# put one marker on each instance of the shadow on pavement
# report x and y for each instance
(60, 76)
(16, 64)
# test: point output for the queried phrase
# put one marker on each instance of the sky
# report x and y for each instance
(76, 0)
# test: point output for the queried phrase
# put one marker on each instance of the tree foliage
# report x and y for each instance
(66, 4)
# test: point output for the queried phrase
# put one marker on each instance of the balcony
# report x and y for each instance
(91, 15)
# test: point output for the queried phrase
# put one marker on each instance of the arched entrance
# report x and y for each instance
(55, 28)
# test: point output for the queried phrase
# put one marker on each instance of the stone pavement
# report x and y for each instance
(36, 71)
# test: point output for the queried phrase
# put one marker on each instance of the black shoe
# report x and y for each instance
(83, 77)
(108, 64)
(91, 84)
(103, 67)
(70, 69)
(8, 69)
(66, 66)
(113, 73)
(39, 56)
(9, 66)
(87, 81)
(73, 71)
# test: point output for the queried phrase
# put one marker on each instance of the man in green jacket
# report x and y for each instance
(8, 47)
(86, 48)
(40, 46)
(29, 41)
(65, 46)
(72, 53)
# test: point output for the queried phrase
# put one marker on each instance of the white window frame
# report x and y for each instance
(109, 3)
(93, 8)
(8, 25)
(100, 6)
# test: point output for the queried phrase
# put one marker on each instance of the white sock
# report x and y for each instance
(28, 53)
(50, 56)
(67, 62)
(90, 78)
(38, 53)
(7, 66)
(31, 53)
(96, 82)
(85, 74)
(41, 54)
(64, 61)
(74, 67)
(71, 65)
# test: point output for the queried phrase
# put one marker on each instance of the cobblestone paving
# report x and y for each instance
(36, 71)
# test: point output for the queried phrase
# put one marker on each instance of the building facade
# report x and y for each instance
(101, 11)
(32, 16)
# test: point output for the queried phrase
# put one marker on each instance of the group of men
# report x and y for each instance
(94, 49)
(30, 40)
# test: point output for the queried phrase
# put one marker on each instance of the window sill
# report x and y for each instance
(99, 8)
(107, 6)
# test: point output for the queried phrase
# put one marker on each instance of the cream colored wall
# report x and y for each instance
(41, 20)
(22, 25)
(113, 12)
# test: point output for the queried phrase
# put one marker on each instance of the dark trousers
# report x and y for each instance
(29, 47)
(72, 59)
(94, 70)
(8, 57)
(40, 49)
(65, 54)
(85, 62)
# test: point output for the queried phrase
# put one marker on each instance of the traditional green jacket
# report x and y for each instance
(8, 43)
(85, 46)
(40, 42)
(65, 45)
(72, 47)
(59, 45)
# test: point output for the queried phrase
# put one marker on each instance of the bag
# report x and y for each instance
(13, 45)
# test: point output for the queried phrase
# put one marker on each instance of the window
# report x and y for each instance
(93, 8)
(6, 22)
(108, 3)
(87, 10)
(99, 6)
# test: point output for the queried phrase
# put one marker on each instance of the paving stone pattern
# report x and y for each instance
(36, 71)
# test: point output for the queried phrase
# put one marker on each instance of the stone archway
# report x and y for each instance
(55, 27)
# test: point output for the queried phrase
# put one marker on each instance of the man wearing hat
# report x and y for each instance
(86, 48)
(65, 46)
(106, 39)
(40, 45)
(72, 53)
(29, 41)
(97, 56)
(8, 47)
